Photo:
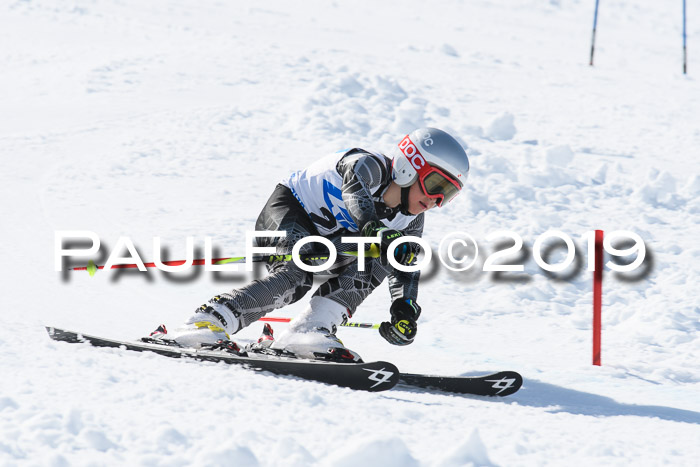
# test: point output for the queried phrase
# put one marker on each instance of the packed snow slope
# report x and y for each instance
(177, 118)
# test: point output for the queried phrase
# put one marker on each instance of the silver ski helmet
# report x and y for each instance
(435, 159)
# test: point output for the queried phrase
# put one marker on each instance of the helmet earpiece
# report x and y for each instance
(403, 172)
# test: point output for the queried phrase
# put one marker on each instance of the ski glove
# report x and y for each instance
(403, 254)
(403, 328)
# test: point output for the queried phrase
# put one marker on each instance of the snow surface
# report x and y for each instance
(177, 118)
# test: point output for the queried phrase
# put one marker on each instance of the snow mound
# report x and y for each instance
(289, 453)
(410, 115)
(692, 188)
(447, 49)
(238, 455)
(559, 156)
(7, 403)
(660, 191)
(470, 452)
(502, 127)
(73, 422)
(168, 439)
(97, 440)
(387, 453)
(350, 103)
(600, 175)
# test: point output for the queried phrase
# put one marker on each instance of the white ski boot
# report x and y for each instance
(211, 324)
(312, 334)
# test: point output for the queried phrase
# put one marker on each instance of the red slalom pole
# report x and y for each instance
(597, 295)
(178, 262)
(276, 320)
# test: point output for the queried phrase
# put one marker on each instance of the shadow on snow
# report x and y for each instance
(558, 399)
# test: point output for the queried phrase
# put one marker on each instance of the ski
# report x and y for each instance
(372, 376)
(503, 383)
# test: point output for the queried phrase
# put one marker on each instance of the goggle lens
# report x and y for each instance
(436, 185)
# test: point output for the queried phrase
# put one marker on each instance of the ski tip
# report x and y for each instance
(505, 383)
(499, 384)
(52, 330)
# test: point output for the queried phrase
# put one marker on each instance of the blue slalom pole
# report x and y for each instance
(685, 52)
(595, 23)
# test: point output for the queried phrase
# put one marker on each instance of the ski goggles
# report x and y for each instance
(437, 185)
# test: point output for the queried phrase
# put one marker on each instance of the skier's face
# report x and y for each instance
(418, 201)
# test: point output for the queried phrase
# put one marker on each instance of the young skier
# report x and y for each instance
(352, 193)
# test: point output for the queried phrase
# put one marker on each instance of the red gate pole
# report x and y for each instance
(597, 295)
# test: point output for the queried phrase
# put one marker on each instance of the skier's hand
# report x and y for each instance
(403, 254)
(403, 328)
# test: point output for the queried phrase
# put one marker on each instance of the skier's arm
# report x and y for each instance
(362, 174)
(405, 284)
(402, 328)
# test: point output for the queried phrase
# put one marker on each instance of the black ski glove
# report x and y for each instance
(403, 254)
(403, 328)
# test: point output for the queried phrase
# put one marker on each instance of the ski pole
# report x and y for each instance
(373, 252)
(595, 22)
(685, 53)
(348, 324)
